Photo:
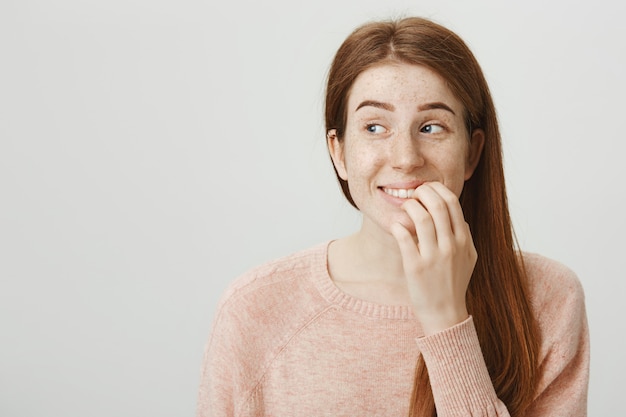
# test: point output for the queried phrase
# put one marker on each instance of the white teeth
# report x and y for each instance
(399, 192)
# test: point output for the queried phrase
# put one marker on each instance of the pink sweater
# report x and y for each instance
(287, 342)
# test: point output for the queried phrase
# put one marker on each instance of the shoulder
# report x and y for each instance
(279, 291)
(257, 315)
(558, 301)
(551, 282)
(287, 272)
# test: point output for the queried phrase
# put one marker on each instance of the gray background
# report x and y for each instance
(151, 151)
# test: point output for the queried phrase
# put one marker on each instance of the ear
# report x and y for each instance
(474, 152)
(335, 148)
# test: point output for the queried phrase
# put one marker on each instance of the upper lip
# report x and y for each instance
(404, 185)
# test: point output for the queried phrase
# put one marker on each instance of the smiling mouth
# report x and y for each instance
(399, 192)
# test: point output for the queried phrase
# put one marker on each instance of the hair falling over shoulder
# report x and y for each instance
(496, 296)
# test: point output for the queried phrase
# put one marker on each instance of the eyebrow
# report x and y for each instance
(390, 107)
(436, 105)
(377, 104)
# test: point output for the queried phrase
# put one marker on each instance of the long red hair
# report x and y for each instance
(496, 296)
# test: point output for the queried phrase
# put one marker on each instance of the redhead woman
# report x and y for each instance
(429, 308)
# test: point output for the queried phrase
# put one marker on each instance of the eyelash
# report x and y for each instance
(442, 128)
(432, 125)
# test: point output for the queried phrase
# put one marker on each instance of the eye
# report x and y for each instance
(432, 128)
(374, 128)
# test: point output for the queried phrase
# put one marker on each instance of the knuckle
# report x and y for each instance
(439, 205)
(403, 236)
(422, 219)
(451, 199)
(447, 249)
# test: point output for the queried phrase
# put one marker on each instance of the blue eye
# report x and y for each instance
(374, 128)
(432, 129)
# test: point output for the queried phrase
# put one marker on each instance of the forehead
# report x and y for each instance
(402, 84)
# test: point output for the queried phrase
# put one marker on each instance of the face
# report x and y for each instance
(404, 127)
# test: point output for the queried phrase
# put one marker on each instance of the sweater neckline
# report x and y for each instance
(334, 295)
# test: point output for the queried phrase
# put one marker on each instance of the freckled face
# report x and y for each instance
(404, 127)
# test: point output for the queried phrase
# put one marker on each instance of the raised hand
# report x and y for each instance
(438, 258)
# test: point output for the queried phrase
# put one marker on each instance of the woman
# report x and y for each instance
(428, 309)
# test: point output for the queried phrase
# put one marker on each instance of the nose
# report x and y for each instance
(405, 152)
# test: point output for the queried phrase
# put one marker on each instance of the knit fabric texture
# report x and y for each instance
(287, 342)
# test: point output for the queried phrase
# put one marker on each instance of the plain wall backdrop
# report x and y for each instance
(152, 151)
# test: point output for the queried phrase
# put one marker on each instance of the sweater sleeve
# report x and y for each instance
(564, 366)
(460, 380)
(218, 381)
(458, 374)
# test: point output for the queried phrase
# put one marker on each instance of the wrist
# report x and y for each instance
(439, 321)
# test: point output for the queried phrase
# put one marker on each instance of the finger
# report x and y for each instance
(407, 244)
(424, 226)
(437, 207)
(455, 212)
(460, 228)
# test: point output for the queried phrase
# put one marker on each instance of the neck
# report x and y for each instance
(377, 251)
(368, 265)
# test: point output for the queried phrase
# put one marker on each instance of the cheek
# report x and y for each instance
(454, 172)
(360, 161)
(456, 187)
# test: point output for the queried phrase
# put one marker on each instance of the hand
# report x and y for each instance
(439, 260)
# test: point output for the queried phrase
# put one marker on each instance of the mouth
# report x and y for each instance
(399, 192)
